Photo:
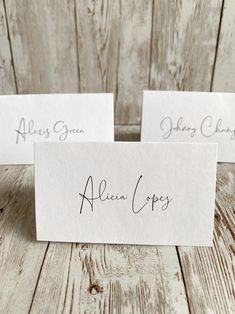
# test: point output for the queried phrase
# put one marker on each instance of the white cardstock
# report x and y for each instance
(125, 192)
(190, 117)
(25, 119)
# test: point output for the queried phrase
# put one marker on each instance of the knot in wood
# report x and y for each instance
(95, 289)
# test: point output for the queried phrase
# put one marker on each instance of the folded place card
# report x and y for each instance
(190, 117)
(133, 193)
(25, 119)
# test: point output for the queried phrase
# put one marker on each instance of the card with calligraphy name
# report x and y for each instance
(25, 119)
(125, 192)
(197, 117)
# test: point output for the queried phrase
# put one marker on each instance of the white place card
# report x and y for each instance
(190, 117)
(133, 193)
(25, 119)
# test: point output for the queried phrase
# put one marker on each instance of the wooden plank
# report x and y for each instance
(209, 272)
(97, 27)
(224, 75)
(134, 57)
(114, 50)
(127, 133)
(53, 282)
(43, 39)
(20, 255)
(183, 44)
(7, 82)
(110, 279)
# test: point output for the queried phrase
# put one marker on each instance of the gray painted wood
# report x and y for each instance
(114, 50)
(7, 81)
(183, 44)
(209, 272)
(110, 279)
(224, 76)
(134, 58)
(97, 25)
(21, 256)
(43, 41)
(127, 133)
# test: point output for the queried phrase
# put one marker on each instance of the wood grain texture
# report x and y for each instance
(97, 27)
(209, 273)
(127, 133)
(7, 81)
(43, 40)
(53, 281)
(114, 50)
(134, 58)
(183, 44)
(20, 255)
(224, 75)
(110, 279)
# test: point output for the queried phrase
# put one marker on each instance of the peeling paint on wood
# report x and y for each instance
(183, 44)
(20, 256)
(209, 272)
(43, 41)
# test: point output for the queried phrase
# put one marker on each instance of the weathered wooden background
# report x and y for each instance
(119, 46)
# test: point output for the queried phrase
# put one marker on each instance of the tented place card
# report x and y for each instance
(190, 117)
(133, 193)
(25, 119)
